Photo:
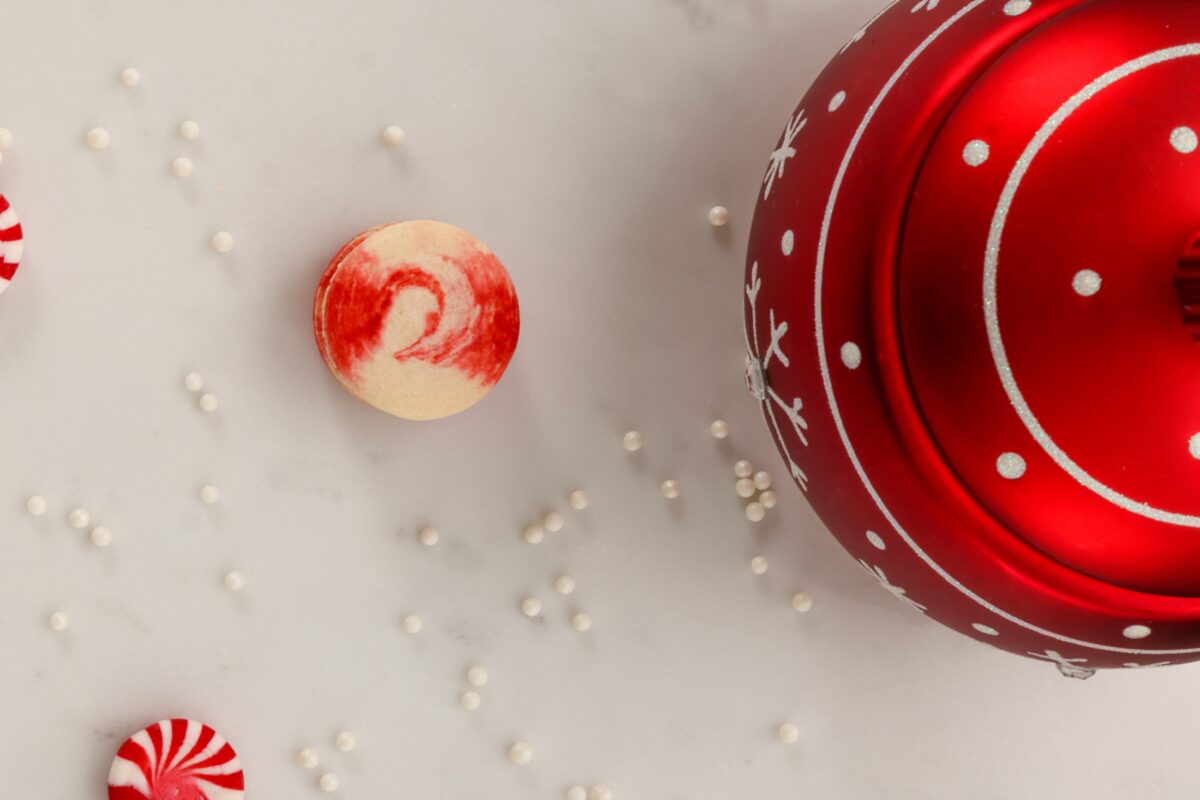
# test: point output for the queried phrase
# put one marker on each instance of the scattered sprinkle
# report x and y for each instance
(762, 481)
(744, 487)
(531, 606)
(565, 584)
(393, 136)
(307, 758)
(632, 441)
(670, 489)
(222, 241)
(533, 534)
(719, 429)
(553, 522)
(756, 512)
(59, 621)
(210, 494)
(208, 402)
(193, 382)
(98, 138)
(759, 565)
(130, 77)
(768, 499)
(345, 741)
(79, 518)
(718, 216)
(429, 536)
(412, 624)
(6, 138)
(235, 581)
(576, 793)
(600, 792)
(182, 167)
(802, 602)
(470, 700)
(101, 536)
(788, 733)
(328, 782)
(581, 622)
(520, 753)
(189, 130)
(743, 469)
(36, 505)
(477, 676)
(578, 500)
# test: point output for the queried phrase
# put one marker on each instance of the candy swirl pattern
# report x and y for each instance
(12, 243)
(176, 759)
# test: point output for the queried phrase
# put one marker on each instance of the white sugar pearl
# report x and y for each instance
(345, 741)
(1184, 140)
(533, 534)
(788, 733)
(130, 76)
(759, 565)
(581, 622)
(36, 505)
(182, 167)
(101, 536)
(98, 138)
(79, 518)
(411, 624)
(553, 522)
(189, 130)
(768, 499)
(743, 469)
(307, 758)
(719, 429)
(59, 621)
(762, 481)
(531, 606)
(429, 536)
(222, 241)
(235, 581)
(328, 782)
(744, 487)
(520, 753)
(632, 441)
(393, 136)
(802, 602)
(477, 676)
(6, 138)
(578, 500)
(976, 152)
(208, 402)
(600, 792)
(756, 512)
(565, 584)
(718, 216)
(1086, 282)
(470, 700)
(576, 793)
(193, 382)
(210, 494)
(670, 489)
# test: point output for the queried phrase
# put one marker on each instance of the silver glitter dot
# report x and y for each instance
(836, 101)
(1194, 446)
(876, 540)
(851, 355)
(976, 152)
(1086, 282)
(1136, 632)
(1184, 140)
(1015, 8)
(986, 630)
(788, 243)
(1011, 466)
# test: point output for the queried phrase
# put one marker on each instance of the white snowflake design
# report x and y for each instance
(1134, 665)
(769, 399)
(1069, 667)
(925, 5)
(896, 591)
(784, 152)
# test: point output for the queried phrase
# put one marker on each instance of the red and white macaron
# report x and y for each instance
(12, 242)
(176, 759)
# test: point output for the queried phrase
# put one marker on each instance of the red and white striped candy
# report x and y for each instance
(11, 243)
(176, 759)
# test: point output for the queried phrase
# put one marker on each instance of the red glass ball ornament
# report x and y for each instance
(973, 316)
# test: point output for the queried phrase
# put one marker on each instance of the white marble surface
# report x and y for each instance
(585, 141)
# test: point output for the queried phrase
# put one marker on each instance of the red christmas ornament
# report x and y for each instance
(973, 315)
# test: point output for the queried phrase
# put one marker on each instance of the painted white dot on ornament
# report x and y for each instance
(521, 753)
(477, 676)
(578, 500)
(208, 402)
(1136, 632)
(534, 534)
(234, 581)
(670, 489)
(718, 216)
(328, 782)
(429, 536)
(221, 242)
(79, 518)
(36, 505)
(1184, 140)
(210, 494)
(762, 480)
(470, 700)
(1193, 446)
(851, 355)
(98, 138)
(600, 792)
(1015, 8)
(59, 621)
(876, 540)
(632, 441)
(719, 429)
(193, 382)
(308, 758)
(581, 622)
(801, 602)
(788, 733)
(1086, 282)
(553, 522)
(986, 630)
(756, 512)
(130, 77)
(182, 167)
(836, 101)
(1010, 465)
(743, 469)
(101, 536)
(393, 136)
(976, 152)
(6, 139)
(189, 130)
(768, 499)
(531, 606)
(788, 243)
(345, 741)
(564, 584)
(744, 487)
(576, 793)
(412, 624)
(759, 565)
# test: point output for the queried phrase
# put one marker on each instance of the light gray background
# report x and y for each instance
(584, 141)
